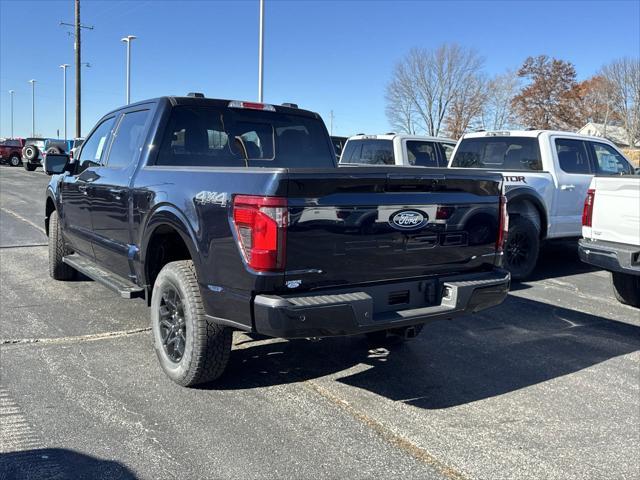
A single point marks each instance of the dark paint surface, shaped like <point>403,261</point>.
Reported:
<point>340,230</point>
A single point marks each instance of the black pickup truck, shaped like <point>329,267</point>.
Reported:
<point>228,215</point>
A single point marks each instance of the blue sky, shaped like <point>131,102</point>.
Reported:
<point>323,55</point>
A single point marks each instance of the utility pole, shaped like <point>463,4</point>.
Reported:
<point>261,52</point>
<point>128,39</point>
<point>11,92</point>
<point>33,107</point>
<point>77,47</point>
<point>331,122</point>
<point>64,96</point>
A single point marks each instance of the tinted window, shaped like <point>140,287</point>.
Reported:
<point>573,156</point>
<point>11,143</point>
<point>370,152</point>
<point>609,161</point>
<point>94,147</point>
<point>422,154</point>
<point>351,149</point>
<point>447,148</point>
<point>127,141</point>
<point>498,153</point>
<point>211,136</point>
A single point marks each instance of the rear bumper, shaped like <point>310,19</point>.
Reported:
<point>615,257</point>
<point>351,311</point>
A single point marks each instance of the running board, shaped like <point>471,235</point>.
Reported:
<point>114,282</point>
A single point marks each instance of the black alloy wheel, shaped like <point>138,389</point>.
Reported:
<point>172,323</point>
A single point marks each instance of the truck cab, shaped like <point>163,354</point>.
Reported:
<point>397,149</point>
<point>547,175</point>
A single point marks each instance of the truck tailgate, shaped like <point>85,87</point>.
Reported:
<point>361,225</point>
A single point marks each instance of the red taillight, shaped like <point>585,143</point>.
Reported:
<point>444,213</point>
<point>587,211</point>
<point>504,224</point>
<point>261,225</point>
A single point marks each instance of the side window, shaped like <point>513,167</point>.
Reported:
<point>609,161</point>
<point>573,156</point>
<point>128,139</point>
<point>447,149</point>
<point>373,152</point>
<point>422,154</point>
<point>94,147</point>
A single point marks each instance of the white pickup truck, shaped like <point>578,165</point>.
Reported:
<point>547,175</point>
<point>611,233</point>
<point>397,149</point>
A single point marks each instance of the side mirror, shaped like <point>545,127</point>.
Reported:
<point>56,163</point>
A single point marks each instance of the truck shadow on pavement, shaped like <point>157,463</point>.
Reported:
<point>59,464</point>
<point>557,259</point>
<point>519,344</point>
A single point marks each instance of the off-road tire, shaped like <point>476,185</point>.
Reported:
<point>14,160</point>
<point>58,270</point>
<point>207,344</point>
<point>626,288</point>
<point>29,167</point>
<point>30,152</point>
<point>521,248</point>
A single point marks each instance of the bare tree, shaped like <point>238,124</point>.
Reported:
<point>498,112</point>
<point>428,81</point>
<point>400,110</point>
<point>623,78</point>
<point>466,106</point>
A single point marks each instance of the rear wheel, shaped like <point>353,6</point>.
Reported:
<point>626,288</point>
<point>521,248</point>
<point>14,160</point>
<point>191,348</point>
<point>54,150</point>
<point>58,270</point>
<point>29,167</point>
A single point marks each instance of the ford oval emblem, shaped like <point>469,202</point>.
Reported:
<point>408,219</point>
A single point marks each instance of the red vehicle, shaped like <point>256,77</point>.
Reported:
<point>11,151</point>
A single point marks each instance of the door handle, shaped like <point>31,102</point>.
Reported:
<point>567,187</point>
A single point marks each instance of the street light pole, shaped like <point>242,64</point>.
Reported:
<point>33,107</point>
<point>64,67</point>
<point>128,40</point>
<point>11,92</point>
<point>261,52</point>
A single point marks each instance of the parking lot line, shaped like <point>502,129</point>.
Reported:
<point>26,220</point>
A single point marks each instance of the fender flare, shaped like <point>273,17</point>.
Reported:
<point>47,212</point>
<point>168,215</point>
<point>529,194</point>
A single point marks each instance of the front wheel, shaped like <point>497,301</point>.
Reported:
<point>191,348</point>
<point>58,270</point>
<point>626,288</point>
<point>521,248</point>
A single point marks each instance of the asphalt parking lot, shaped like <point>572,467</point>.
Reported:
<point>545,386</point>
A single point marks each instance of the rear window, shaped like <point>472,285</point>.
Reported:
<point>11,143</point>
<point>498,153</point>
<point>368,152</point>
<point>214,136</point>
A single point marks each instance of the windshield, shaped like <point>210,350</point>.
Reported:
<point>214,136</point>
<point>498,153</point>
